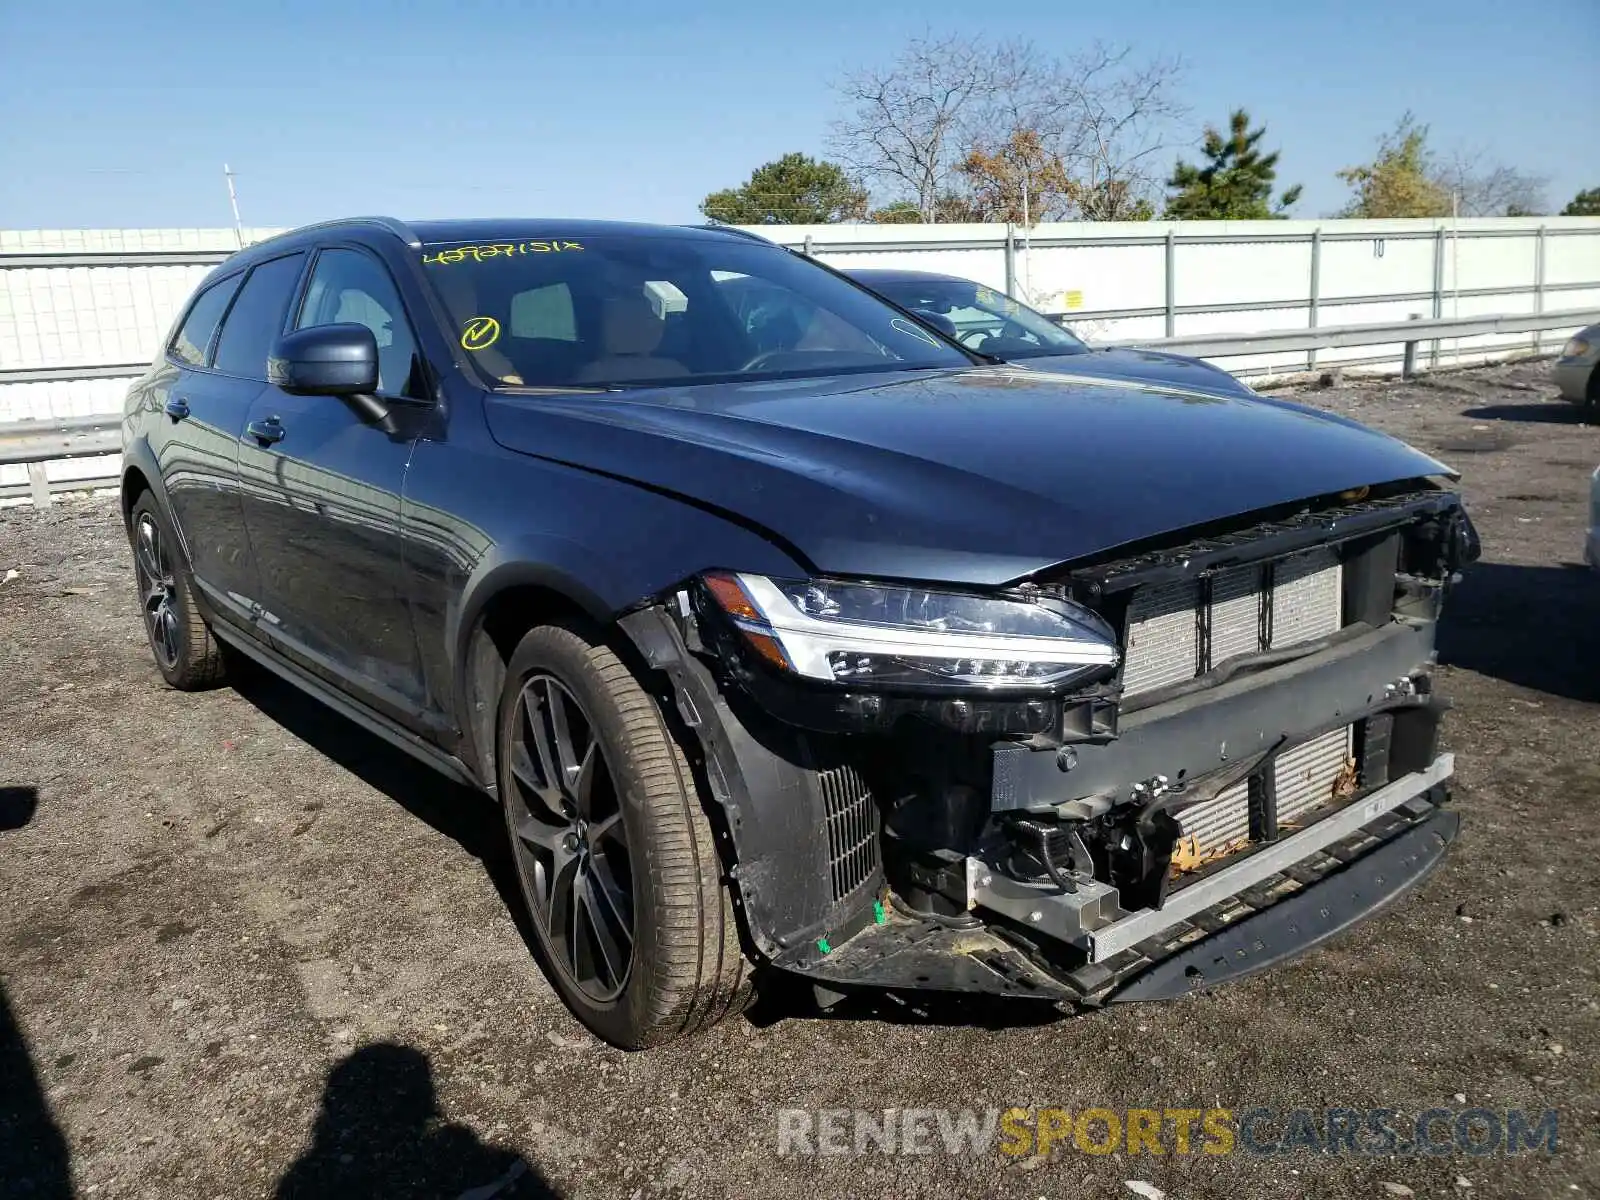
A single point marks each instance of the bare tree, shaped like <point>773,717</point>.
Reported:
<point>904,127</point>
<point>1104,116</point>
<point>1489,189</point>
<point>1112,119</point>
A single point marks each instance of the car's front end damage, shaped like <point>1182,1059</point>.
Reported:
<point>1136,774</point>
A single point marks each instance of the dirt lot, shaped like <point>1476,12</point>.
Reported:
<point>245,948</point>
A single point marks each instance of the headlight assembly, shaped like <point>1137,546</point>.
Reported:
<point>908,638</point>
<point>1576,348</point>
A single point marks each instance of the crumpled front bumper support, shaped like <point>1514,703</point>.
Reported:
<point>1275,918</point>
<point>1302,920</point>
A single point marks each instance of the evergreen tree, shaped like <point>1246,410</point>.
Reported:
<point>1234,183</point>
<point>792,190</point>
<point>1585,204</point>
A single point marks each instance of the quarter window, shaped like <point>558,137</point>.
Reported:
<point>256,318</point>
<point>194,338</point>
<point>348,286</point>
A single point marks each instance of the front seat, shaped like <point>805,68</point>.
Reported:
<point>630,332</point>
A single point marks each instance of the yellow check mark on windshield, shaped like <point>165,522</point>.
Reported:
<point>480,333</point>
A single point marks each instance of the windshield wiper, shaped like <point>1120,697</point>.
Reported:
<point>560,389</point>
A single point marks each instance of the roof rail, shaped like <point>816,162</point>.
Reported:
<point>399,228</point>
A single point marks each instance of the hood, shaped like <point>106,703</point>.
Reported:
<point>1143,366</point>
<point>976,476</point>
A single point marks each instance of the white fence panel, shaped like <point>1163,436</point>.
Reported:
<point>78,299</point>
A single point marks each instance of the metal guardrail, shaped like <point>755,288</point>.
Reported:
<point>1327,337</point>
<point>52,374</point>
<point>35,443</point>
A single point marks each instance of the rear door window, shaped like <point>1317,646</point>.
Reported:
<point>256,319</point>
<point>191,342</point>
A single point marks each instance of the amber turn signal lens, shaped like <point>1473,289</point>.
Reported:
<point>767,647</point>
<point>731,598</point>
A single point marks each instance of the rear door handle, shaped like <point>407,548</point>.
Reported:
<point>177,408</point>
<point>266,431</point>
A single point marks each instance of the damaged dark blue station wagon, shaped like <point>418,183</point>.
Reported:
<point>791,634</point>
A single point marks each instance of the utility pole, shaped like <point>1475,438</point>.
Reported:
<point>1027,264</point>
<point>233,202</point>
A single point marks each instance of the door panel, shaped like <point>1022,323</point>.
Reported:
<point>322,502</point>
<point>196,443</point>
<point>197,453</point>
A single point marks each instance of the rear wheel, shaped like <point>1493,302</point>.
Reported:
<point>615,855</point>
<point>186,654</point>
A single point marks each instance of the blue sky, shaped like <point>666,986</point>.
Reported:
<point>118,114</point>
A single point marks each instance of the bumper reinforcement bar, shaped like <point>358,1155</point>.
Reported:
<point>1269,860</point>
<point>1303,919</point>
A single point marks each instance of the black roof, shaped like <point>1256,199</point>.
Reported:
<point>479,229</point>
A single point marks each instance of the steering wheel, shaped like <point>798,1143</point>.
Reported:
<point>764,358</point>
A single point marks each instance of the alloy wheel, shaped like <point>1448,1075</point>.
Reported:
<point>158,590</point>
<point>570,840</point>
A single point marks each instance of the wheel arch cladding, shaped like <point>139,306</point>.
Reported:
<point>767,781</point>
<point>533,577</point>
<point>140,474</point>
<point>501,619</point>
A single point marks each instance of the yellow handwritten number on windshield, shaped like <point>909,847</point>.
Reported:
<point>480,333</point>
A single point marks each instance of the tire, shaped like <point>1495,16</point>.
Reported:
<point>617,819</point>
<point>187,655</point>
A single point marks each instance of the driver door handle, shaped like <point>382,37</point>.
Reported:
<point>266,431</point>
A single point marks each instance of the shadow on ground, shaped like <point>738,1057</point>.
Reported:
<point>33,1153</point>
<point>1538,627</point>
<point>379,1133</point>
<point>458,812</point>
<point>17,806</point>
<point>1548,412</point>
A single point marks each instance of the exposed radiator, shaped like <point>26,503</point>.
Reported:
<point>1307,777</point>
<point>1179,630</point>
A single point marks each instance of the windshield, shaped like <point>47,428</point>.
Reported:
<point>620,310</point>
<point>980,318</point>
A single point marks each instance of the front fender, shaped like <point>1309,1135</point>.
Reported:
<point>601,545</point>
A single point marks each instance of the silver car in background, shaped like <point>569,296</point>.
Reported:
<point>1575,371</point>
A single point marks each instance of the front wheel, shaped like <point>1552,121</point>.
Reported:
<point>615,855</point>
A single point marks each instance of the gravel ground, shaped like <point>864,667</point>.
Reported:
<point>246,949</point>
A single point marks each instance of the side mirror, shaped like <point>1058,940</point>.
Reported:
<point>326,360</point>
